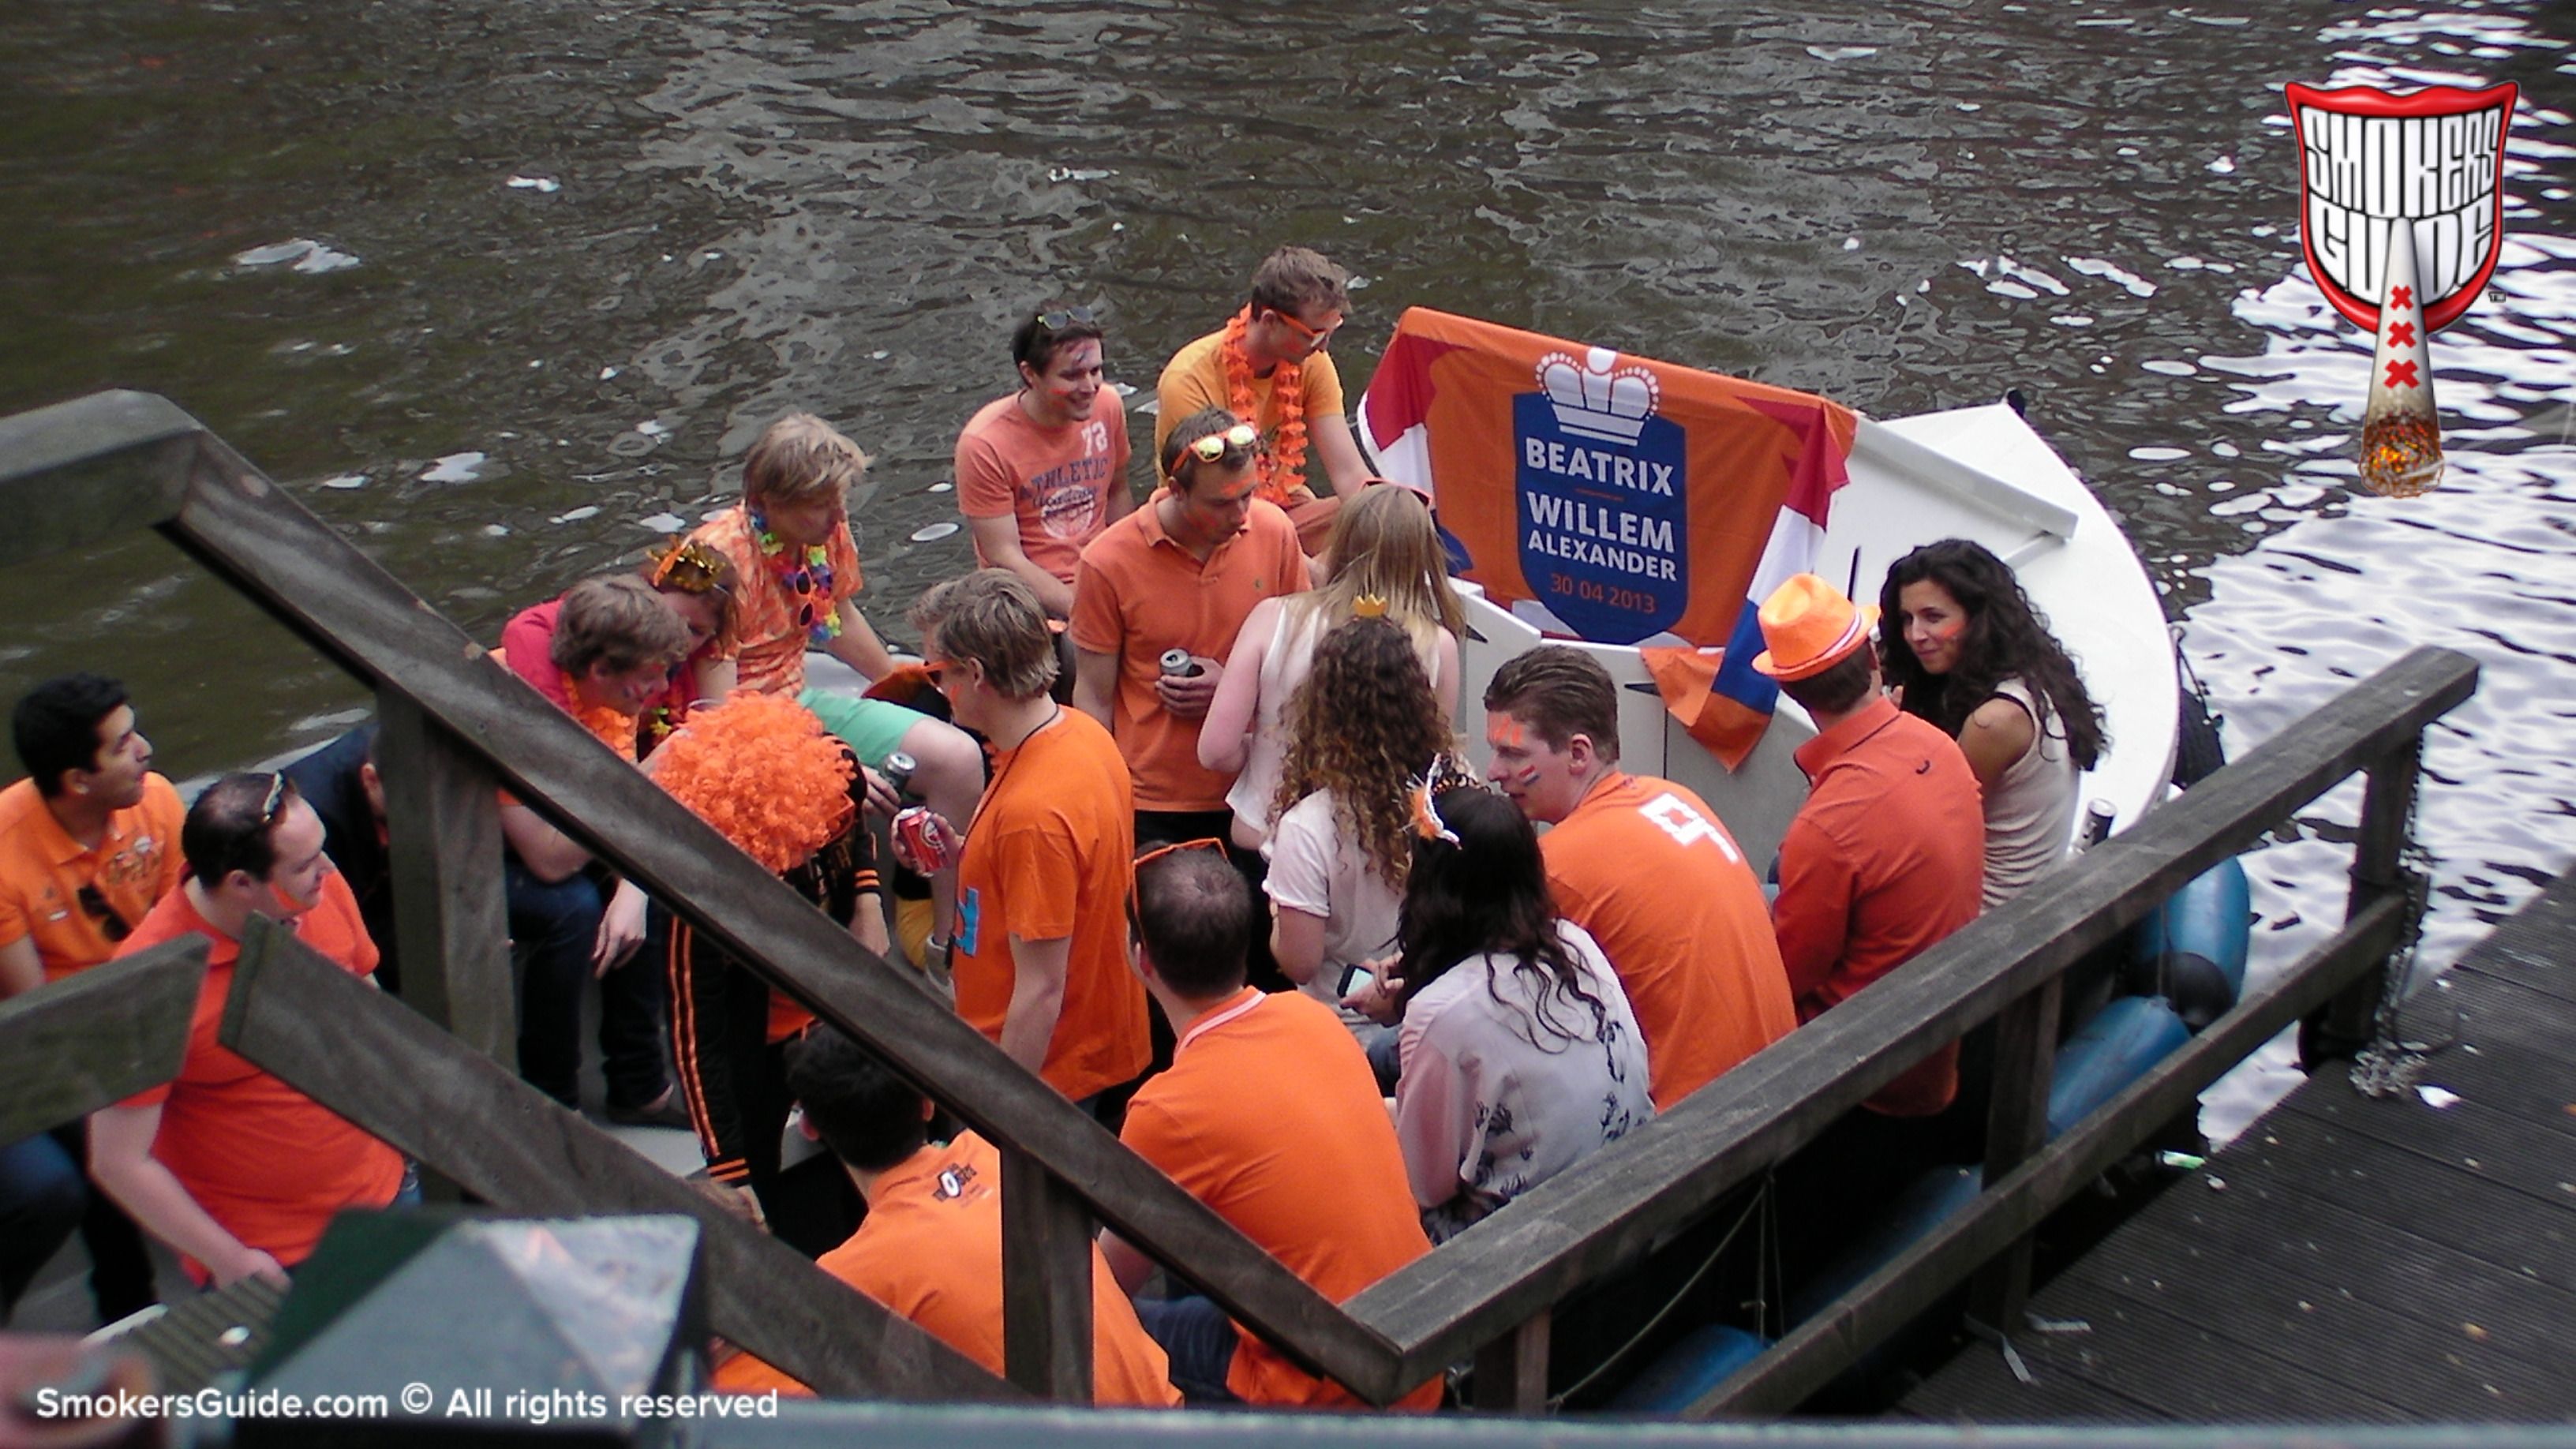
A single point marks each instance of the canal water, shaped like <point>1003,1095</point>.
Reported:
<point>503,287</point>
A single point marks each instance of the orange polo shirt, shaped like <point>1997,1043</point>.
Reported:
<point>1048,856</point>
<point>1139,593</point>
<point>263,1159</point>
<point>930,1249</point>
<point>1269,1114</point>
<point>135,863</point>
<point>1886,858</point>
<point>1646,867</point>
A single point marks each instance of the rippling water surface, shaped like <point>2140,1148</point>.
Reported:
<point>503,290</point>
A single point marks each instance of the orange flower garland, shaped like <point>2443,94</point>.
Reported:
<point>1283,467</point>
<point>761,770</point>
<point>612,727</point>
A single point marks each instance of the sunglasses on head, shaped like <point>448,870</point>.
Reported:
<point>111,924</point>
<point>1059,318</point>
<point>1204,842</point>
<point>1216,445</point>
<point>276,798</point>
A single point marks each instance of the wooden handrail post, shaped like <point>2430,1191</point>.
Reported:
<point>1511,1371</point>
<point>2346,1023</point>
<point>451,913</point>
<point>2016,1127</point>
<point>1046,1282</point>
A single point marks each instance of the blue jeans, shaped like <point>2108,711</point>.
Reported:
<point>1200,1341</point>
<point>41,1198</point>
<point>553,927</point>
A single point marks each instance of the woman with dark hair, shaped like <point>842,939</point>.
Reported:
<point>1520,1054</point>
<point>1362,727</point>
<point>1961,646</point>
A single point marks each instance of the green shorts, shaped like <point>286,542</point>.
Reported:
<point>872,728</point>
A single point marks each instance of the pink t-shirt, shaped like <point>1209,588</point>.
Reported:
<point>1055,481</point>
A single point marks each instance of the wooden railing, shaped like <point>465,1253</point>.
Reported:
<point>455,725</point>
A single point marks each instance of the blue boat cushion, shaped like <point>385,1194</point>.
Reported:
<point>1704,1358</point>
<point>2112,1050</point>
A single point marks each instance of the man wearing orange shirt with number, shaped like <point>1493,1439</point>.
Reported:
<point>1645,866</point>
<point>237,1170</point>
<point>1041,471</point>
<point>1039,949</point>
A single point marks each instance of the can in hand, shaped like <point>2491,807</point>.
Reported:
<point>1178,662</point>
<point>898,773</point>
<point>922,841</point>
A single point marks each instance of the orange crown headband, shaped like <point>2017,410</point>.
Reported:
<point>689,553</point>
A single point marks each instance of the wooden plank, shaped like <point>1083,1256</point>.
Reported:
<point>96,1037</point>
<point>2016,1127</point>
<point>1977,1388</point>
<point>394,1073</point>
<point>1511,1372</point>
<point>1576,1226</point>
<point>277,553</point>
<point>2426,1268</point>
<point>2145,1352</point>
<point>88,470</point>
<point>451,912</point>
<point>1046,1283</point>
<point>2441,1370</point>
<point>1823,1346</point>
<point>2467,1138</point>
<point>2348,1022</point>
<point>2538,1229</point>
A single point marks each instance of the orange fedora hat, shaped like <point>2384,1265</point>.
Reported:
<point>1810,627</point>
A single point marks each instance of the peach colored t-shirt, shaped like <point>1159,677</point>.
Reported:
<point>1058,482</point>
<point>770,622</point>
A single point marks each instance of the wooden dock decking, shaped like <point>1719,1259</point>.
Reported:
<point>2348,1259</point>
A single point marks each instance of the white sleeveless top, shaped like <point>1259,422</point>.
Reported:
<point>1284,666</point>
<point>2030,812</point>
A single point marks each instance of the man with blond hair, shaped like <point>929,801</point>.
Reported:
<point>796,572</point>
<point>1270,366</point>
<point>1040,951</point>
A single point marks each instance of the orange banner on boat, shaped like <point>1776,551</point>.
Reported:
<point>1630,498</point>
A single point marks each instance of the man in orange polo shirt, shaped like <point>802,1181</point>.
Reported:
<point>237,1170</point>
<point>1645,866</point>
<point>930,1247</point>
<point>1271,1116</point>
<point>1039,950</point>
<point>88,841</point>
<point>1885,859</point>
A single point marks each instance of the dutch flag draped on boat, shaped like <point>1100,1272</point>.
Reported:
<point>1615,498</point>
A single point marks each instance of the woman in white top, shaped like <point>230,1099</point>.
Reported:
<point>1521,1056</point>
<point>1385,551</point>
<point>1961,645</point>
<point>1364,728</point>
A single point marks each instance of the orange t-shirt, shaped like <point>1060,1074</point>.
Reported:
<point>1048,856</point>
<point>1649,870</point>
<point>1269,1115</point>
<point>1195,379</point>
<point>42,870</point>
<point>263,1159</point>
<point>1058,482</point>
<point>930,1249</point>
<point>1138,594</point>
<point>769,629</point>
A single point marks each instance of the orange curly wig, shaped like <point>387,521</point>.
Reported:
<point>761,770</point>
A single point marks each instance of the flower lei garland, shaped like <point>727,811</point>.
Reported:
<point>804,573</point>
<point>612,727</point>
<point>1283,467</point>
<point>760,769</point>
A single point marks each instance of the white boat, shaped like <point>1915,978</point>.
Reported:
<point>1978,473</point>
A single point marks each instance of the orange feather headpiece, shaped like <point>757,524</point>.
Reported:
<point>761,770</point>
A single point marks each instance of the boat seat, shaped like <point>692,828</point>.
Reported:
<point>1701,1360</point>
<point>2109,1052</point>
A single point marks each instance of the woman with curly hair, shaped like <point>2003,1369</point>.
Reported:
<point>1363,726</point>
<point>1520,1054</point>
<point>1961,646</point>
<point>1386,563</point>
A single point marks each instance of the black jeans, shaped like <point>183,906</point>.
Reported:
<point>553,926</point>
